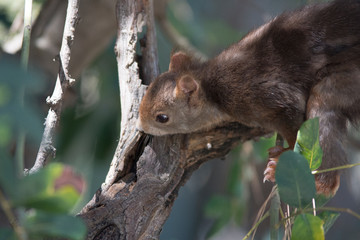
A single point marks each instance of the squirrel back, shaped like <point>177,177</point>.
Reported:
<point>263,80</point>
<point>303,64</point>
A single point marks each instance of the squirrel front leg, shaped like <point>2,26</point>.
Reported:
<point>275,152</point>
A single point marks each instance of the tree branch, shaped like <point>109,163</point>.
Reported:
<point>137,205</point>
<point>142,185</point>
<point>63,80</point>
<point>131,19</point>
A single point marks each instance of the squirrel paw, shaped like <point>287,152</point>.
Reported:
<point>327,183</point>
<point>269,173</point>
<point>274,154</point>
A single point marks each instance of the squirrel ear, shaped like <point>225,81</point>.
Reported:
<point>179,61</point>
<point>186,85</point>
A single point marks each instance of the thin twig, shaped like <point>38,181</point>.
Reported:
<point>314,206</point>
<point>346,210</point>
<point>63,80</point>
<point>274,191</point>
<point>27,33</point>
<point>172,34</point>
<point>274,215</point>
<point>287,222</point>
<point>336,168</point>
<point>310,210</point>
<point>20,141</point>
<point>267,214</point>
<point>261,211</point>
<point>5,205</point>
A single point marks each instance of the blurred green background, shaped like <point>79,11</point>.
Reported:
<point>223,195</point>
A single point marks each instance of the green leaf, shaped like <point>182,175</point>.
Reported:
<point>262,146</point>
<point>5,131</point>
<point>329,219</point>
<point>239,211</point>
<point>43,224</point>
<point>307,143</point>
<point>19,114</point>
<point>295,182</point>
<point>8,179</point>
<point>7,234</point>
<point>234,183</point>
<point>309,227</point>
<point>274,216</point>
<point>53,189</point>
<point>321,200</point>
<point>218,206</point>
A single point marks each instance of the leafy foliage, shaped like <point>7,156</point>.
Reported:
<point>295,187</point>
<point>45,198</point>
<point>308,144</point>
<point>307,226</point>
<point>230,206</point>
<point>296,184</point>
<point>294,179</point>
<point>329,219</point>
<point>42,200</point>
<point>13,114</point>
<point>42,224</point>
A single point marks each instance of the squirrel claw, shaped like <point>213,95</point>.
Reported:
<point>270,170</point>
<point>274,154</point>
<point>266,178</point>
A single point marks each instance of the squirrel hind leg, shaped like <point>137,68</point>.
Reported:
<point>332,133</point>
<point>327,183</point>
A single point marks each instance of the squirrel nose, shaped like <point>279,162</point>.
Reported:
<point>139,126</point>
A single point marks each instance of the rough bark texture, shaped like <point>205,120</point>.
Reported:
<point>137,205</point>
<point>142,184</point>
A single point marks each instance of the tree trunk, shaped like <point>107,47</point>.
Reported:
<point>146,172</point>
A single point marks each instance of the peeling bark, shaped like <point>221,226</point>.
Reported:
<point>140,202</point>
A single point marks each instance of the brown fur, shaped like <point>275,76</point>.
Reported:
<point>303,64</point>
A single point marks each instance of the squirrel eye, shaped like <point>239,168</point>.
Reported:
<point>162,118</point>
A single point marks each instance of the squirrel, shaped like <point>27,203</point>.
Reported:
<point>301,65</point>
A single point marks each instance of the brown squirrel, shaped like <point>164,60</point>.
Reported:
<point>302,64</point>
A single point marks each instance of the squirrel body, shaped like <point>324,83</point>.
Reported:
<point>302,64</point>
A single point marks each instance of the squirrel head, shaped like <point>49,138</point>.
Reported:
<point>172,101</point>
<point>175,102</point>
